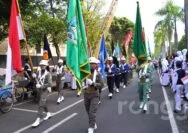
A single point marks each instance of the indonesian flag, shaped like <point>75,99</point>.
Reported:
<point>127,40</point>
<point>14,64</point>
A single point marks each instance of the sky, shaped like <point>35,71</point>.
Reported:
<point>127,8</point>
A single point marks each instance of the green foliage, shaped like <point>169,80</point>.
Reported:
<point>119,28</point>
<point>182,43</point>
<point>39,17</point>
<point>164,28</point>
<point>93,21</point>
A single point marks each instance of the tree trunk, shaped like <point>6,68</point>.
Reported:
<point>57,50</point>
<point>186,21</point>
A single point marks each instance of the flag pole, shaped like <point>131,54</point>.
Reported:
<point>26,44</point>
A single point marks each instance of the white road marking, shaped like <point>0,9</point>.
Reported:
<point>56,113</point>
<point>70,106</point>
<point>170,113</point>
<point>26,110</point>
<point>31,100</point>
<point>21,103</point>
<point>59,123</point>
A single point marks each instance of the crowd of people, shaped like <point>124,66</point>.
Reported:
<point>117,73</point>
<point>174,73</point>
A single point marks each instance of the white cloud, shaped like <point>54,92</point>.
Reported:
<point>127,8</point>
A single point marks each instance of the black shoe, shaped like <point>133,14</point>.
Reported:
<point>144,111</point>
<point>176,111</point>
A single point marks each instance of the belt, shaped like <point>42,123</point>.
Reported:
<point>90,90</point>
<point>112,75</point>
<point>143,80</point>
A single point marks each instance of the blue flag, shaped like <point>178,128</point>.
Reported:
<point>102,57</point>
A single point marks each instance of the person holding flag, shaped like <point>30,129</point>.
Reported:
<point>139,49</point>
<point>91,94</point>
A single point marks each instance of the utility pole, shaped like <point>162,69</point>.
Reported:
<point>106,24</point>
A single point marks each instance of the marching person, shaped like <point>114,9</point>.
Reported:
<point>110,70</point>
<point>185,67</point>
<point>165,72</point>
<point>44,80</point>
<point>178,86</point>
<point>124,68</point>
<point>100,88</point>
<point>60,80</point>
<point>117,78</point>
<point>27,70</point>
<point>91,94</point>
<point>150,71</point>
<point>142,86</point>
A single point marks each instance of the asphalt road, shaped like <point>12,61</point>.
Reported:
<point>119,115</point>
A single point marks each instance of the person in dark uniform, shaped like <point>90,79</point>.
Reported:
<point>178,89</point>
<point>110,70</point>
<point>117,77</point>
<point>27,70</point>
<point>124,68</point>
<point>91,93</point>
<point>44,80</point>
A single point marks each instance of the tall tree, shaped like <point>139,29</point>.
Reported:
<point>119,28</point>
<point>170,13</point>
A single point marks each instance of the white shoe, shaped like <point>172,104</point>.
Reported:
<point>148,97</point>
<point>62,98</point>
<point>141,105</point>
<point>79,93</point>
<point>95,126</point>
<point>110,94</point>
<point>58,100</point>
<point>48,115</point>
<point>36,123</point>
<point>124,86</point>
<point>149,90</point>
<point>145,107</point>
<point>99,102</point>
<point>117,90</point>
<point>90,130</point>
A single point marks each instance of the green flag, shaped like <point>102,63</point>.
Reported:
<point>139,47</point>
<point>77,53</point>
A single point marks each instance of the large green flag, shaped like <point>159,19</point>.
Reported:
<point>77,52</point>
<point>139,47</point>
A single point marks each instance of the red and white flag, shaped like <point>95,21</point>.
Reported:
<point>14,64</point>
<point>127,40</point>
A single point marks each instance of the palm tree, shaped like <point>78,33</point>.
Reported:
<point>170,13</point>
<point>160,36</point>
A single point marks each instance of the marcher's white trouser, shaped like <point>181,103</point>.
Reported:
<point>178,99</point>
<point>186,90</point>
<point>165,79</point>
